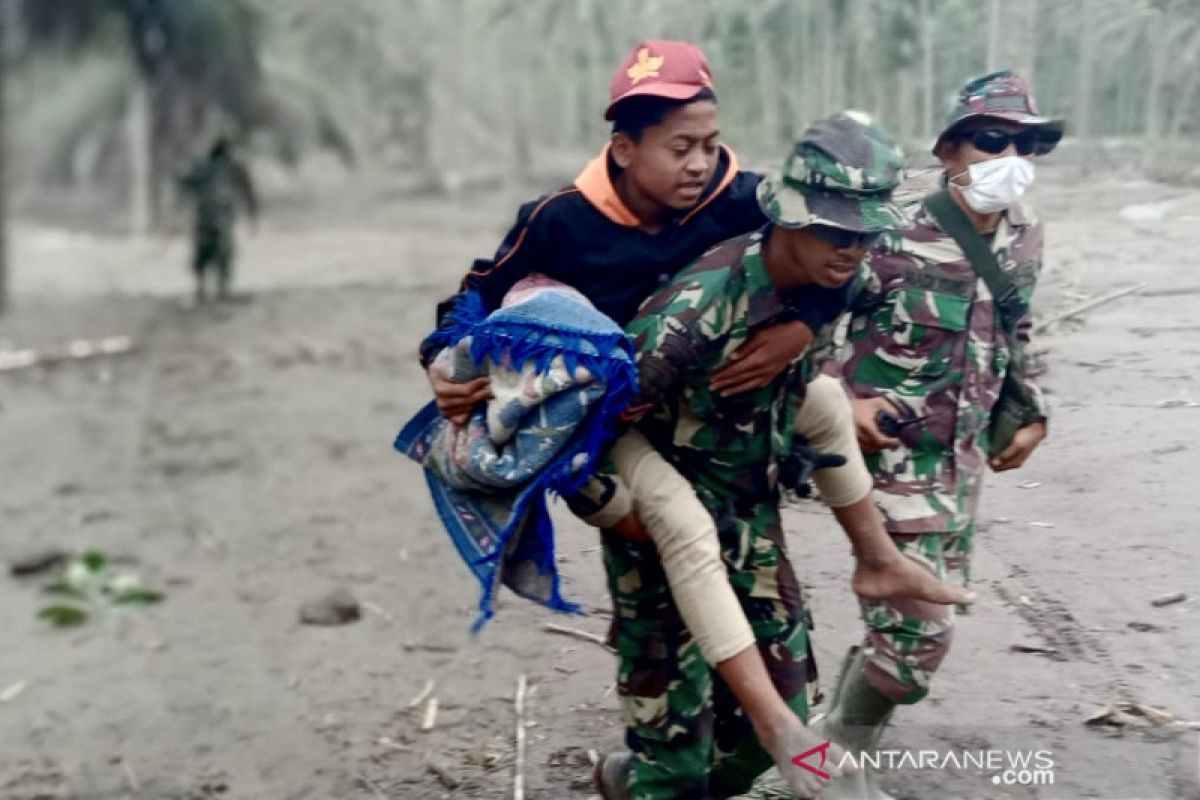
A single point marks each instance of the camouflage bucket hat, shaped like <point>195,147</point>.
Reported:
<point>1002,95</point>
<point>841,173</point>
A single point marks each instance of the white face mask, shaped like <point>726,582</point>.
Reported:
<point>997,183</point>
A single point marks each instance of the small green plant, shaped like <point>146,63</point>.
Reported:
<point>89,581</point>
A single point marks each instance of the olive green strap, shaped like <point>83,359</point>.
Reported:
<point>1005,294</point>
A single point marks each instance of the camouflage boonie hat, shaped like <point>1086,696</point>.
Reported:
<point>841,173</point>
<point>1002,95</point>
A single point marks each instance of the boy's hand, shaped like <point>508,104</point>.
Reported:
<point>800,745</point>
<point>761,358</point>
<point>1024,442</point>
<point>456,400</point>
<point>866,426</point>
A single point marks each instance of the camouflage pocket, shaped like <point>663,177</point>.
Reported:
<point>919,310</point>
<point>922,330</point>
<point>663,682</point>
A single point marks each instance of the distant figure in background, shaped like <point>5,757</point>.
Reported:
<point>217,183</point>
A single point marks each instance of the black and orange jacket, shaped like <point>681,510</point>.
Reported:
<point>586,237</point>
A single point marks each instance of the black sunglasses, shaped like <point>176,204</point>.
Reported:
<point>842,239</point>
<point>1030,142</point>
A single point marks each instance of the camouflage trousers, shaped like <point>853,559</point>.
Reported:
<point>689,737</point>
<point>907,640</point>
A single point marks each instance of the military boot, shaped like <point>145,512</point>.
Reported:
<point>857,715</point>
<point>611,776</point>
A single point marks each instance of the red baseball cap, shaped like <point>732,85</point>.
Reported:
<point>675,70</point>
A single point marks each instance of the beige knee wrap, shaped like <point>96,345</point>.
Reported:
<point>686,538</point>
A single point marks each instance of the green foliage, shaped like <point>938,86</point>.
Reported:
<point>139,597</point>
<point>94,560</point>
<point>92,582</point>
<point>63,616</point>
<point>201,61</point>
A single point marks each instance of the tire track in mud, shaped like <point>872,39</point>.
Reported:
<point>1053,622</point>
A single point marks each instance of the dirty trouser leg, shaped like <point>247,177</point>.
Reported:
<point>762,576</point>
<point>685,535</point>
<point>907,640</point>
<point>663,683</point>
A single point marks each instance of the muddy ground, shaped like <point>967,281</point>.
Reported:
<point>240,460</point>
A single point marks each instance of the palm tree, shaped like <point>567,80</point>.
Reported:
<point>195,65</point>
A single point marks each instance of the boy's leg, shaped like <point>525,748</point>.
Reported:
<point>664,684</point>
<point>685,535</point>
<point>907,640</point>
<point>766,586</point>
<point>826,420</point>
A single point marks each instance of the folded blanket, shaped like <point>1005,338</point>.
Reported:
<point>561,373</point>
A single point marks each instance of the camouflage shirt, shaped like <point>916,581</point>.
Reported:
<point>924,334</point>
<point>728,447</point>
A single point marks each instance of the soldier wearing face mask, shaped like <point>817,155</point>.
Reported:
<point>935,353</point>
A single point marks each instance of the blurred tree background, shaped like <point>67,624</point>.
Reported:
<point>114,97</point>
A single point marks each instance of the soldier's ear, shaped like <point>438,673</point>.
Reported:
<point>947,151</point>
<point>623,149</point>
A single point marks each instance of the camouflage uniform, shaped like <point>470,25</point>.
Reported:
<point>924,333</point>
<point>681,718</point>
<point>217,184</point>
<point>689,736</point>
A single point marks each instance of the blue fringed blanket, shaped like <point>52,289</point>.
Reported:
<point>561,372</point>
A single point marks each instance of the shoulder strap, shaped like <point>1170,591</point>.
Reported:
<point>953,221</point>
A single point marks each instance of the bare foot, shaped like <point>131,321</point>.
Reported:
<point>794,745</point>
<point>904,577</point>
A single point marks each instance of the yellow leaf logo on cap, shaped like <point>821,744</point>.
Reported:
<point>647,66</point>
